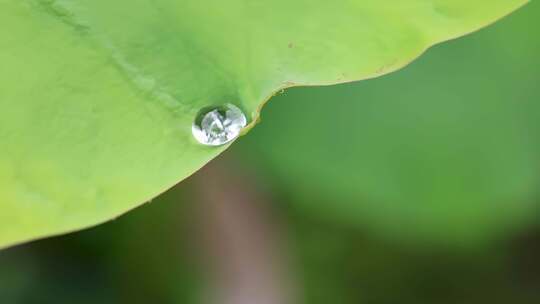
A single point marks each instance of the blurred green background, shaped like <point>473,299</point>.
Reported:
<point>422,186</point>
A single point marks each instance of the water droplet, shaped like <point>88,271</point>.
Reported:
<point>219,125</point>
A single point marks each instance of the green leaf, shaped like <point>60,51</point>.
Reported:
<point>98,96</point>
<point>446,149</point>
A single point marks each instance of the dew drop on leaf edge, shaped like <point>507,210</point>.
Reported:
<point>219,125</point>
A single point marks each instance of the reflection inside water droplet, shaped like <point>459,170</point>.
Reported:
<point>219,125</point>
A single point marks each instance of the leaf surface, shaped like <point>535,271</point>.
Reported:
<point>98,96</point>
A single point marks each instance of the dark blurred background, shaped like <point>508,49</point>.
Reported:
<point>422,186</point>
